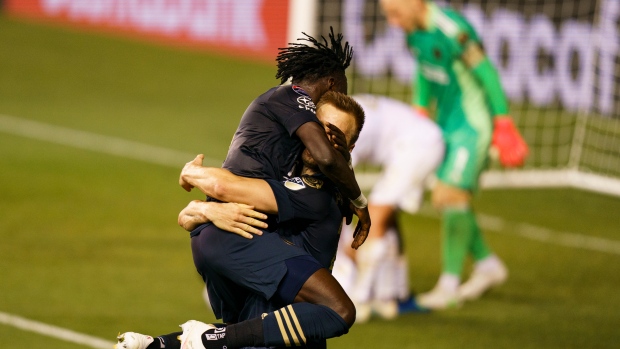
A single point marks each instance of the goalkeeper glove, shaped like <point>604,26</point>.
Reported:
<point>508,142</point>
<point>421,111</point>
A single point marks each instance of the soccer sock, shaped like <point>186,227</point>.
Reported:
<point>386,282</point>
<point>345,271</point>
<point>299,323</point>
<point>168,341</point>
<point>369,258</point>
<point>458,228</point>
<point>479,248</point>
<point>294,325</point>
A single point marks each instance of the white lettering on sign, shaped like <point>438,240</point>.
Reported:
<point>237,22</point>
<point>521,73</point>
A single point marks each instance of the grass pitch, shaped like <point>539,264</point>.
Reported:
<point>90,241</point>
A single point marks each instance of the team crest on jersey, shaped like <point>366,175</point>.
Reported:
<point>312,182</point>
<point>437,53</point>
<point>294,183</point>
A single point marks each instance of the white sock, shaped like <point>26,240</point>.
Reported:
<point>386,283</point>
<point>368,259</point>
<point>489,263</point>
<point>344,271</point>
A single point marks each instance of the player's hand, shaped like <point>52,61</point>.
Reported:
<point>236,218</point>
<point>508,142</point>
<point>338,140</point>
<point>420,111</point>
<point>362,228</point>
<point>192,165</point>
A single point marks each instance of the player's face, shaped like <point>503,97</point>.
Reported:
<point>344,121</point>
<point>401,13</point>
<point>327,113</point>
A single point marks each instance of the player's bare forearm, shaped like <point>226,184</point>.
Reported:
<point>236,218</point>
<point>225,186</point>
<point>330,161</point>
<point>193,215</point>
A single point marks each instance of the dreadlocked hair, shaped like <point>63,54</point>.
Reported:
<point>301,61</point>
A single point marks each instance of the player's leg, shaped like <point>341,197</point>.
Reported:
<point>386,288</point>
<point>488,271</point>
<point>323,311</point>
<point>457,176</point>
<point>369,258</point>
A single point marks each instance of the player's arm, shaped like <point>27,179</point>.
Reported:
<point>225,186</point>
<point>477,61</point>
<point>236,218</point>
<point>421,97</point>
<point>336,168</point>
<point>506,138</point>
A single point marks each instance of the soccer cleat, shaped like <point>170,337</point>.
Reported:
<point>438,299</point>
<point>387,309</point>
<point>481,281</point>
<point>192,335</point>
<point>409,305</point>
<point>363,311</point>
<point>132,340</point>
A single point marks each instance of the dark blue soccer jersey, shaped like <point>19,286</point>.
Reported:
<point>265,145</point>
<point>310,205</point>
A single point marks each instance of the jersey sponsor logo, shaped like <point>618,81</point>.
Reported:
<point>294,183</point>
<point>312,182</point>
<point>306,103</point>
<point>435,74</point>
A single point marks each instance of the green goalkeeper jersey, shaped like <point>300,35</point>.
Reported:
<point>443,76</point>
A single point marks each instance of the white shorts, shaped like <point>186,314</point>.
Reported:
<point>410,163</point>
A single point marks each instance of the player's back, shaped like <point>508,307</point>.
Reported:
<point>388,121</point>
<point>265,144</point>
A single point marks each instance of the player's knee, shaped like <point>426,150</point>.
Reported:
<point>444,196</point>
<point>346,310</point>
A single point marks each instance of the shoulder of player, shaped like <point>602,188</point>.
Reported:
<point>451,23</point>
<point>293,97</point>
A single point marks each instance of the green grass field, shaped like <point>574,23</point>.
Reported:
<point>89,241</point>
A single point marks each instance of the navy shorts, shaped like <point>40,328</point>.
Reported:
<point>233,267</point>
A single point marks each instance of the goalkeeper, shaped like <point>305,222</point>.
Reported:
<point>472,112</point>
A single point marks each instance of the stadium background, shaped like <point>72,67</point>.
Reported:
<point>98,114</point>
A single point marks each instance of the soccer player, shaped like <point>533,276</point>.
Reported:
<point>472,111</point>
<point>311,200</point>
<point>408,147</point>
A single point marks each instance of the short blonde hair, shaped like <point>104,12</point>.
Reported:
<point>348,105</point>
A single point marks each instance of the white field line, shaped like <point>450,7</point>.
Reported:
<point>54,331</point>
<point>167,157</point>
<point>98,143</point>
<point>537,233</point>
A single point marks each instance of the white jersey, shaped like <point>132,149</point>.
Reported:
<point>408,147</point>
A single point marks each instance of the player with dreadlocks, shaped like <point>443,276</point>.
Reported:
<point>239,271</point>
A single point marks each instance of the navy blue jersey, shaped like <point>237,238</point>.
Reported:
<point>265,145</point>
<point>310,215</point>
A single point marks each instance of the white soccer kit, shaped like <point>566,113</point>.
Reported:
<point>407,146</point>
